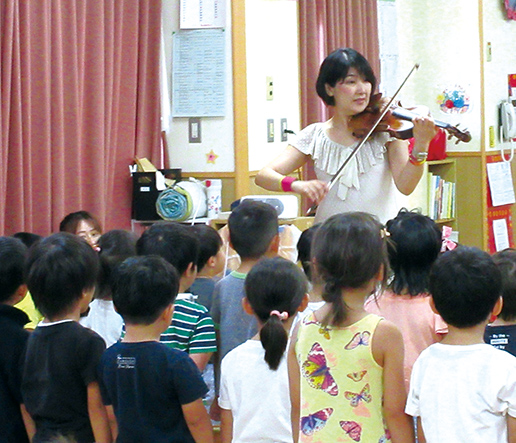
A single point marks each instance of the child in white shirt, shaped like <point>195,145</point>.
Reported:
<point>461,389</point>
<point>254,391</point>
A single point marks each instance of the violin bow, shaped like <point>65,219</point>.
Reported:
<point>311,210</point>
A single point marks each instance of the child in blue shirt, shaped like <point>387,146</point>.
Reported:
<point>155,392</point>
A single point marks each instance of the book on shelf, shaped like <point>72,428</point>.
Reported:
<point>441,198</point>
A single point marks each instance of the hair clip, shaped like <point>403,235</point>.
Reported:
<point>384,233</point>
<point>447,245</point>
<point>282,315</point>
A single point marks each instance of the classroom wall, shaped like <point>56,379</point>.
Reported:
<point>216,132</point>
<point>501,33</point>
<point>443,37</point>
<point>450,40</point>
<point>272,51</point>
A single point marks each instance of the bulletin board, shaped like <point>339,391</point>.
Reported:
<point>499,219</point>
<point>199,73</point>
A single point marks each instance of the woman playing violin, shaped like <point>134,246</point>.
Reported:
<point>369,181</point>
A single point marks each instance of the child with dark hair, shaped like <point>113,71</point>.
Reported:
<point>14,338</point>
<point>27,238</point>
<point>210,263</point>
<point>253,234</point>
<point>27,304</point>
<point>59,385</point>
<point>501,333</point>
<point>414,245</point>
<point>155,392</point>
<point>462,389</point>
<point>304,247</point>
<point>254,377</point>
<point>192,329</point>
<point>346,365</point>
<point>115,246</point>
<point>83,224</point>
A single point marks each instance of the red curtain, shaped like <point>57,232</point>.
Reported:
<point>326,25</point>
<point>79,99</point>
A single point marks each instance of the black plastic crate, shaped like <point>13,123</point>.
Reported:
<point>145,193</point>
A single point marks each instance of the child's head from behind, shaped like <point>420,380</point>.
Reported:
<point>210,250</point>
<point>12,258</point>
<point>304,246</point>
<point>415,243</point>
<point>28,238</point>
<point>60,271</point>
<point>506,262</point>
<point>465,285</point>
<point>143,287</point>
<point>275,288</point>
<point>350,252</point>
<point>115,246</point>
<point>118,242</point>
<point>174,242</point>
<point>253,225</point>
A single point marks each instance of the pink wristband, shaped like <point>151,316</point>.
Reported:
<point>286,183</point>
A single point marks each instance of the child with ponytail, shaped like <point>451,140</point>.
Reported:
<point>254,391</point>
<point>345,365</point>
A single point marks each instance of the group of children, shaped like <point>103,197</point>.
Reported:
<point>326,358</point>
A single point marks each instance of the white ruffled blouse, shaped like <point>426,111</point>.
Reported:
<point>365,184</point>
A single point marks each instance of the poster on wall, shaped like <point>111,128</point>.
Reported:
<point>196,14</point>
<point>499,218</point>
<point>199,73</point>
<point>500,183</point>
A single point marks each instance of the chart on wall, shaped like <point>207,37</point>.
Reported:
<point>198,73</point>
<point>202,14</point>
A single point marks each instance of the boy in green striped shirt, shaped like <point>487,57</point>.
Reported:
<point>192,328</point>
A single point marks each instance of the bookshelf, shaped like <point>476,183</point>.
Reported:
<point>441,177</point>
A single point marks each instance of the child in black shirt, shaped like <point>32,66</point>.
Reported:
<point>59,383</point>
<point>14,338</point>
<point>501,333</point>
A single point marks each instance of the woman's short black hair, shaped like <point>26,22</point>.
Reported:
<point>335,67</point>
<point>72,220</point>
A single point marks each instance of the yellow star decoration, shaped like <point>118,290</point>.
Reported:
<point>211,157</point>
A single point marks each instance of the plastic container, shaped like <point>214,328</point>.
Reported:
<point>213,197</point>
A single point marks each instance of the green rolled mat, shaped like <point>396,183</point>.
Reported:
<point>174,204</point>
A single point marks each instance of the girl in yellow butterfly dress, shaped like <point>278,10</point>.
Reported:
<point>345,365</point>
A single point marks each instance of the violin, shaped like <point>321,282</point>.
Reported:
<point>397,121</point>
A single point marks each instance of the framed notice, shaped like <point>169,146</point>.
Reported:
<point>199,73</point>
<point>196,14</point>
